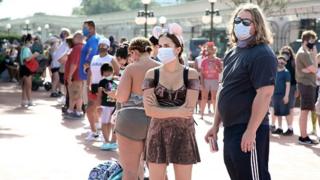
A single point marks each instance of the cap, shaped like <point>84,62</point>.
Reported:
<point>104,41</point>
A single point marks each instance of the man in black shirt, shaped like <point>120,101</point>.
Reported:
<point>243,100</point>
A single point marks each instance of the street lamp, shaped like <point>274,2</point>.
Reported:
<point>46,27</point>
<point>145,17</point>
<point>162,21</point>
<point>8,28</point>
<point>39,29</point>
<point>27,22</point>
<point>212,19</point>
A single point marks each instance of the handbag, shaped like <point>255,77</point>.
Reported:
<point>32,65</point>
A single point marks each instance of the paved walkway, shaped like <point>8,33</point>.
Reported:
<point>38,144</point>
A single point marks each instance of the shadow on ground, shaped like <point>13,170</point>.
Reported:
<point>72,123</point>
<point>5,134</point>
<point>94,148</point>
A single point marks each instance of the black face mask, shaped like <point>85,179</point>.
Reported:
<point>310,45</point>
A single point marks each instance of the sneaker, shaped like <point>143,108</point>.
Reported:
<point>54,94</point>
<point>307,141</point>
<point>277,131</point>
<point>92,136</point>
<point>272,128</point>
<point>24,104</point>
<point>109,146</point>
<point>31,103</point>
<point>289,132</point>
<point>62,100</point>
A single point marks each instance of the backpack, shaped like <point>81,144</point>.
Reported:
<point>109,170</point>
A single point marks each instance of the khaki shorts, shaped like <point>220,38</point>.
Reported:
<point>211,84</point>
<point>75,90</point>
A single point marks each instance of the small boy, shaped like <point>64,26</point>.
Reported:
<point>280,97</point>
<point>106,98</point>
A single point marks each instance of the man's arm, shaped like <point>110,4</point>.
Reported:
<point>259,110</point>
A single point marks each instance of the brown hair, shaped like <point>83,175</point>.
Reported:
<point>262,30</point>
<point>140,44</point>
<point>307,35</point>
<point>90,23</point>
<point>176,42</point>
<point>291,52</point>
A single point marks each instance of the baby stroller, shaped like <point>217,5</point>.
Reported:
<point>38,78</point>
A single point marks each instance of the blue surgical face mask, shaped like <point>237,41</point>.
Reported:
<point>241,31</point>
<point>85,31</point>
<point>166,55</point>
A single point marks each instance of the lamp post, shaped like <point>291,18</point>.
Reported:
<point>212,18</point>
<point>8,28</point>
<point>46,27</point>
<point>145,17</point>
<point>162,21</point>
<point>27,22</point>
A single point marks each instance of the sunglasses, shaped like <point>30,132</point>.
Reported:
<point>245,22</point>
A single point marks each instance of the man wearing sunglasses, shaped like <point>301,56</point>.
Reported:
<point>243,100</point>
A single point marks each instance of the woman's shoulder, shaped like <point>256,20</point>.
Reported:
<point>193,73</point>
<point>150,72</point>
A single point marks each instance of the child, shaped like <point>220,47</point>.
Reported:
<point>106,94</point>
<point>280,97</point>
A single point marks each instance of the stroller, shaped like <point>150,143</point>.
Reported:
<point>38,79</point>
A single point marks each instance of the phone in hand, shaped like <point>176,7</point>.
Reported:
<point>213,145</point>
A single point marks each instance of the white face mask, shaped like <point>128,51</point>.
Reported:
<point>109,78</point>
<point>241,31</point>
<point>166,55</point>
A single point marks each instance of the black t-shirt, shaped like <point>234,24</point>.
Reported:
<point>245,70</point>
<point>107,85</point>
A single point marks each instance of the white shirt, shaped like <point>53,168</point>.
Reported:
<point>95,66</point>
<point>199,61</point>
<point>57,54</point>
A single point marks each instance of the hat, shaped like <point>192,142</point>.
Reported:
<point>66,30</point>
<point>104,41</point>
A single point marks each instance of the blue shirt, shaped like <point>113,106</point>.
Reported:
<point>282,78</point>
<point>88,51</point>
<point>245,71</point>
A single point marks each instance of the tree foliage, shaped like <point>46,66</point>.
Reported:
<point>90,7</point>
<point>268,6</point>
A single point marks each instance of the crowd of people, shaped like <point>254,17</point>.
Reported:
<point>139,96</point>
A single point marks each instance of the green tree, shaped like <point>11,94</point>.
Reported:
<point>90,7</point>
<point>268,6</point>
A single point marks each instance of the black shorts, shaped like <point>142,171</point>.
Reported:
<point>54,70</point>
<point>280,109</point>
<point>61,77</point>
<point>24,71</point>
<point>307,96</point>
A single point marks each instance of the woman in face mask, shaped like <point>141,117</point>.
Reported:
<point>288,53</point>
<point>25,73</point>
<point>170,96</point>
<point>132,123</point>
<point>122,56</point>
<point>94,77</point>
